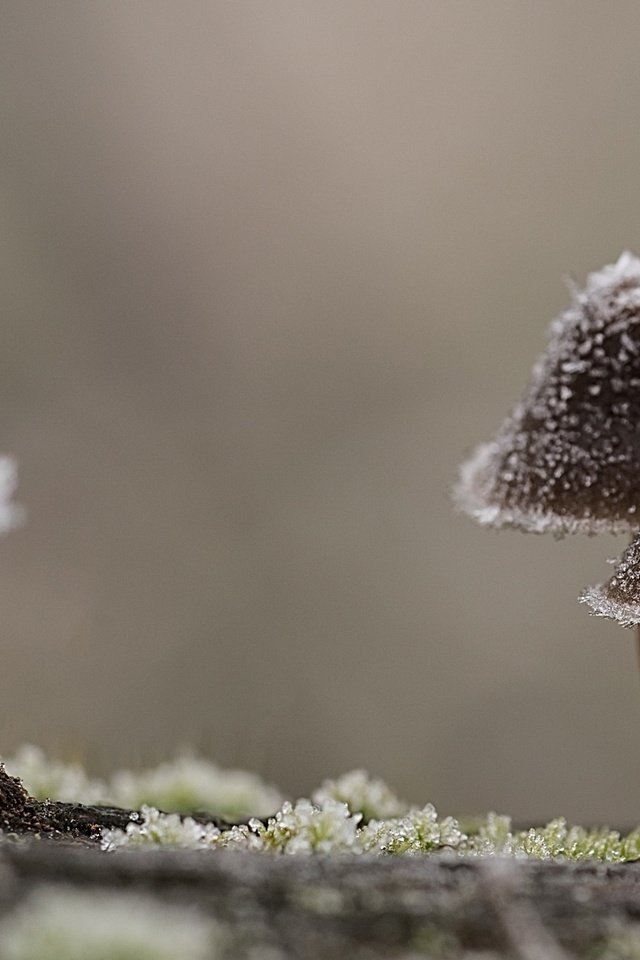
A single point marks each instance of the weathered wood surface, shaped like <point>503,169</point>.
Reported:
<point>315,908</point>
<point>352,907</point>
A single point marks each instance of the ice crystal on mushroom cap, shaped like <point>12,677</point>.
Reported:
<point>567,459</point>
<point>619,597</point>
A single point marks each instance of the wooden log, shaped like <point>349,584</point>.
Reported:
<point>314,907</point>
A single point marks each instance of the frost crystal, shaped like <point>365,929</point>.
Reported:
<point>305,828</point>
<point>619,597</point>
<point>162,829</point>
<point>567,459</point>
<point>419,831</point>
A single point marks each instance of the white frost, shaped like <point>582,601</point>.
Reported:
<point>626,614</point>
<point>626,267</point>
<point>619,597</point>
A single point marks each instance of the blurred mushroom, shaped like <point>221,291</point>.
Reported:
<point>567,459</point>
<point>619,597</point>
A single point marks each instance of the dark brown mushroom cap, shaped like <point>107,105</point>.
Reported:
<point>567,459</point>
<point>619,597</point>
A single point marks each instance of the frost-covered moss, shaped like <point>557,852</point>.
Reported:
<point>304,827</point>
<point>495,837</point>
<point>354,813</point>
<point>363,794</point>
<point>331,828</point>
<point>160,829</point>
<point>184,785</point>
<point>419,831</point>
<point>296,828</point>
<point>189,784</point>
<point>48,779</point>
<point>56,924</point>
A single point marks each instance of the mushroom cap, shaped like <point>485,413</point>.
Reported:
<point>619,597</point>
<point>567,459</point>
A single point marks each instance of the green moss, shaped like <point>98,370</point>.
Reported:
<point>66,924</point>
<point>354,814</point>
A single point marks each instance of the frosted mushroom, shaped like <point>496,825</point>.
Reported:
<point>567,459</point>
<point>619,597</point>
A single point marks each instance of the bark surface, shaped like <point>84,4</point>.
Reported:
<point>312,908</point>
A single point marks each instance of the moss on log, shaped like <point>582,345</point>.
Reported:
<point>23,815</point>
<point>362,907</point>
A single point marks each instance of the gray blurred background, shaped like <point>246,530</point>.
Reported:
<point>270,268</point>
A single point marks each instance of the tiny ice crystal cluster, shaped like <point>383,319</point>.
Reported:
<point>335,828</point>
<point>567,459</point>
<point>619,597</point>
<point>330,827</point>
